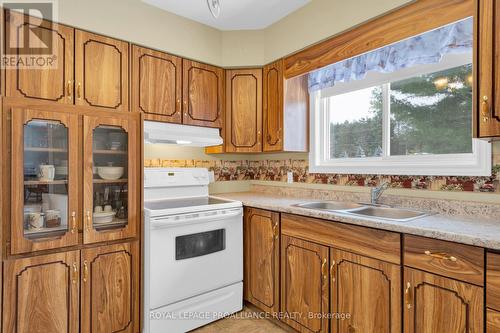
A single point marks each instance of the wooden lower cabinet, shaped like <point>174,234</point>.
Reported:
<point>110,288</point>
<point>492,321</point>
<point>41,294</point>
<point>304,285</point>
<point>438,304</point>
<point>262,259</point>
<point>365,294</point>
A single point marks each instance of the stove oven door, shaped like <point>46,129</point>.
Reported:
<point>191,254</point>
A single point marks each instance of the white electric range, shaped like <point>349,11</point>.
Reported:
<point>193,251</point>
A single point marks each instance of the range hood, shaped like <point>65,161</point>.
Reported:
<point>194,136</point>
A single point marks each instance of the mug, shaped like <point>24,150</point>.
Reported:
<point>98,209</point>
<point>108,208</point>
<point>46,172</point>
<point>35,220</point>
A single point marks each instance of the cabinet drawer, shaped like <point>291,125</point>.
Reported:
<point>373,243</point>
<point>457,261</point>
<point>493,281</point>
<point>492,321</point>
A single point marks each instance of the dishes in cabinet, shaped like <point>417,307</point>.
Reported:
<point>103,217</point>
<point>110,172</point>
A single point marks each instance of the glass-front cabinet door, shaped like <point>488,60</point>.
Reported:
<point>44,180</point>
<point>110,178</point>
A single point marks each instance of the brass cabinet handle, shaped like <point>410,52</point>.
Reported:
<point>73,222</point>
<point>485,109</point>
<point>276,232</point>
<point>89,220</point>
<point>332,271</point>
<point>440,255</point>
<point>324,271</point>
<point>75,272</point>
<point>408,295</point>
<point>68,89</point>
<point>85,271</point>
<point>79,90</point>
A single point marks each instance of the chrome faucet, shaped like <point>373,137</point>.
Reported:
<point>376,192</point>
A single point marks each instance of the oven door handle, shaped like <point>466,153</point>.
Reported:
<point>166,222</point>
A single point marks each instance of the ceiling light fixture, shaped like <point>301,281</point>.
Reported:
<point>214,7</point>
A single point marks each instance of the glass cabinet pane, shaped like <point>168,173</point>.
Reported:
<point>110,178</point>
<point>46,211</point>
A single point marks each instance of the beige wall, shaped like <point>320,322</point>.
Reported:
<point>137,22</point>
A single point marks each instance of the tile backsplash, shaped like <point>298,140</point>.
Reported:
<point>276,170</point>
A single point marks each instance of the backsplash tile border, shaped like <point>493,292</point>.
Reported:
<point>276,170</point>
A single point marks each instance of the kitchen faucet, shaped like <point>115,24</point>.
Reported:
<point>376,192</point>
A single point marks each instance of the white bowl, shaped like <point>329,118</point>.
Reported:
<point>110,173</point>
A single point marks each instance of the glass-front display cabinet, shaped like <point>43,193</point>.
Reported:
<point>110,178</point>
<point>44,180</point>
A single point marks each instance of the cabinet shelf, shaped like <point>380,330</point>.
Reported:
<point>109,181</point>
<point>110,152</point>
<point>45,182</point>
<point>45,232</point>
<point>45,150</point>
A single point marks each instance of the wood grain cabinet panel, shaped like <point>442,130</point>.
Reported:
<point>156,85</point>
<point>272,106</point>
<point>203,94</point>
<point>101,71</point>
<point>488,115</point>
<point>110,288</point>
<point>493,281</point>
<point>244,110</point>
<point>458,261</point>
<point>262,259</point>
<point>438,304</point>
<point>304,285</point>
<point>492,321</point>
<point>41,294</point>
<point>368,290</point>
<point>53,80</point>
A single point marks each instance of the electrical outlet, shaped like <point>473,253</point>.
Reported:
<point>289,177</point>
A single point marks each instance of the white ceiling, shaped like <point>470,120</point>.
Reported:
<point>235,14</point>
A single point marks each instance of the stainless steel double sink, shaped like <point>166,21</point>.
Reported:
<point>365,210</point>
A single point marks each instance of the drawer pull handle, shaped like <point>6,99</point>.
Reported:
<point>485,109</point>
<point>408,295</point>
<point>440,255</point>
<point>324,269</point>
<point>75,273</point>
<point>79,90</point>
<point>332,271</point>
<point>85,271</point>
<point>276,232</point>
<point>68,89</point>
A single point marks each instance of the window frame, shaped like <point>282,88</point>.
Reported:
<point>477,163</point>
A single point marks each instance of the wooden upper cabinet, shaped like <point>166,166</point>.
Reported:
<point>437,304</point>
<point>156,85</point>
<point>110,177</point>
<point>41,294</point>
<point>488,115</point>
<point>369,290</point>
<point>262,258</point>
<point>203,94</point>
<point>304,285</point>
<point>110,288</point>
<point>244,110</point>
<point>52,80</point>
<point>45,185</point>
<point>101,71</point>
<point>272,106</point>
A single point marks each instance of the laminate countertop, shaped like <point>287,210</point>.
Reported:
<point>478,232</point>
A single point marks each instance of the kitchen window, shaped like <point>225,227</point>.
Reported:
<point>402,109</point>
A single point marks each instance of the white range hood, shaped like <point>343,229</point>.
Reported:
<point>157,132</point>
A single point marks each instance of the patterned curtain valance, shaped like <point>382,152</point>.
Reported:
<point>427,48</point>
